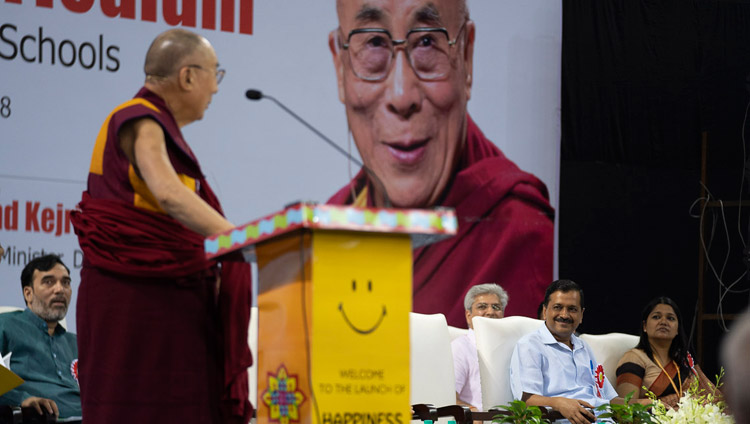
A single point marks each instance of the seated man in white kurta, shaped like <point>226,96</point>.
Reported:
<point>483,300</point>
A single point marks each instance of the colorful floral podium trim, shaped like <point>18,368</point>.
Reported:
<point>425,226</point>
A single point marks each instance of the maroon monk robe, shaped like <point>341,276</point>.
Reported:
<point>505,234</point>
<point>155,344</point>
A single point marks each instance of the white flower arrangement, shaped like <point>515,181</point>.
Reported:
<point>696,406</point>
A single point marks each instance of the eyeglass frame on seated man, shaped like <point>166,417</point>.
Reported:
<point>401,43</point>
<point>497,307</point>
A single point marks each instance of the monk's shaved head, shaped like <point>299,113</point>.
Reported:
<point>169,51</point>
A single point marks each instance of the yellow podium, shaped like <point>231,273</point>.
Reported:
<point>334,296</point>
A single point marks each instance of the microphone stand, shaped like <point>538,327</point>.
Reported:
<point>257,95</point>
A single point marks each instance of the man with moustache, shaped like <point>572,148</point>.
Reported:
<point>404,71</point>
<point>553,367</point>
<point>42,352</point>
<point>162,332</point>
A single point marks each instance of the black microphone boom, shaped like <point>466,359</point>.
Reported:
<point>257,95</point>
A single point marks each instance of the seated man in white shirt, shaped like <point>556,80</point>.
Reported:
<point>552,367</point>
<point>484,300</point>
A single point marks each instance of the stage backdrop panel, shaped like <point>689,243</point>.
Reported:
<point>65,64</point>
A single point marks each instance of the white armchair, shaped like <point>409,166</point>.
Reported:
<point>608,349</point>
<point>431,360</point>
<point>456,332</point>
<point>496,339</point>
<point>252,371</point>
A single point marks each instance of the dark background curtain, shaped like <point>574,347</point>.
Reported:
<point>642,81</point>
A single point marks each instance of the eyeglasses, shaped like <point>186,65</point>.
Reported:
<point>429,51</point>
<point>483,307</point>
<point>219,73</point>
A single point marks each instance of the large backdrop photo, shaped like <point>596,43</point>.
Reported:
<point>65,64</point>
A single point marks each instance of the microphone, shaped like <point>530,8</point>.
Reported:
<point>253,94</point>
<point>258,95</point>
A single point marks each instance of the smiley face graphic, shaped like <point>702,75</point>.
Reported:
<point>367,326</point>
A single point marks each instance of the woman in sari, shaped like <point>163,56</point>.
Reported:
<point>661,361</point>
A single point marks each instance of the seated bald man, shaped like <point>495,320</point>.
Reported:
<point>404,72</point>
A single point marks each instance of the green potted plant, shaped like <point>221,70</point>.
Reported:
<point>630,413</point>
<point>520,413</point>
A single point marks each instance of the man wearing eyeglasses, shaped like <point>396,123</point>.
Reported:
<point>158,324</point>
<point>483,300</point>
<point>404,71</point>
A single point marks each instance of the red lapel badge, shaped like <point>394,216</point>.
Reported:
<point>74,369</point>
<point>599,379</point>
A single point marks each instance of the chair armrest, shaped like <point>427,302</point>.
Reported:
<point>10,414</point>
<point>551,414</point>
<point>424,411</point>
<point>488,415</point>
<point>30,416</point>
<point>461,413</point>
